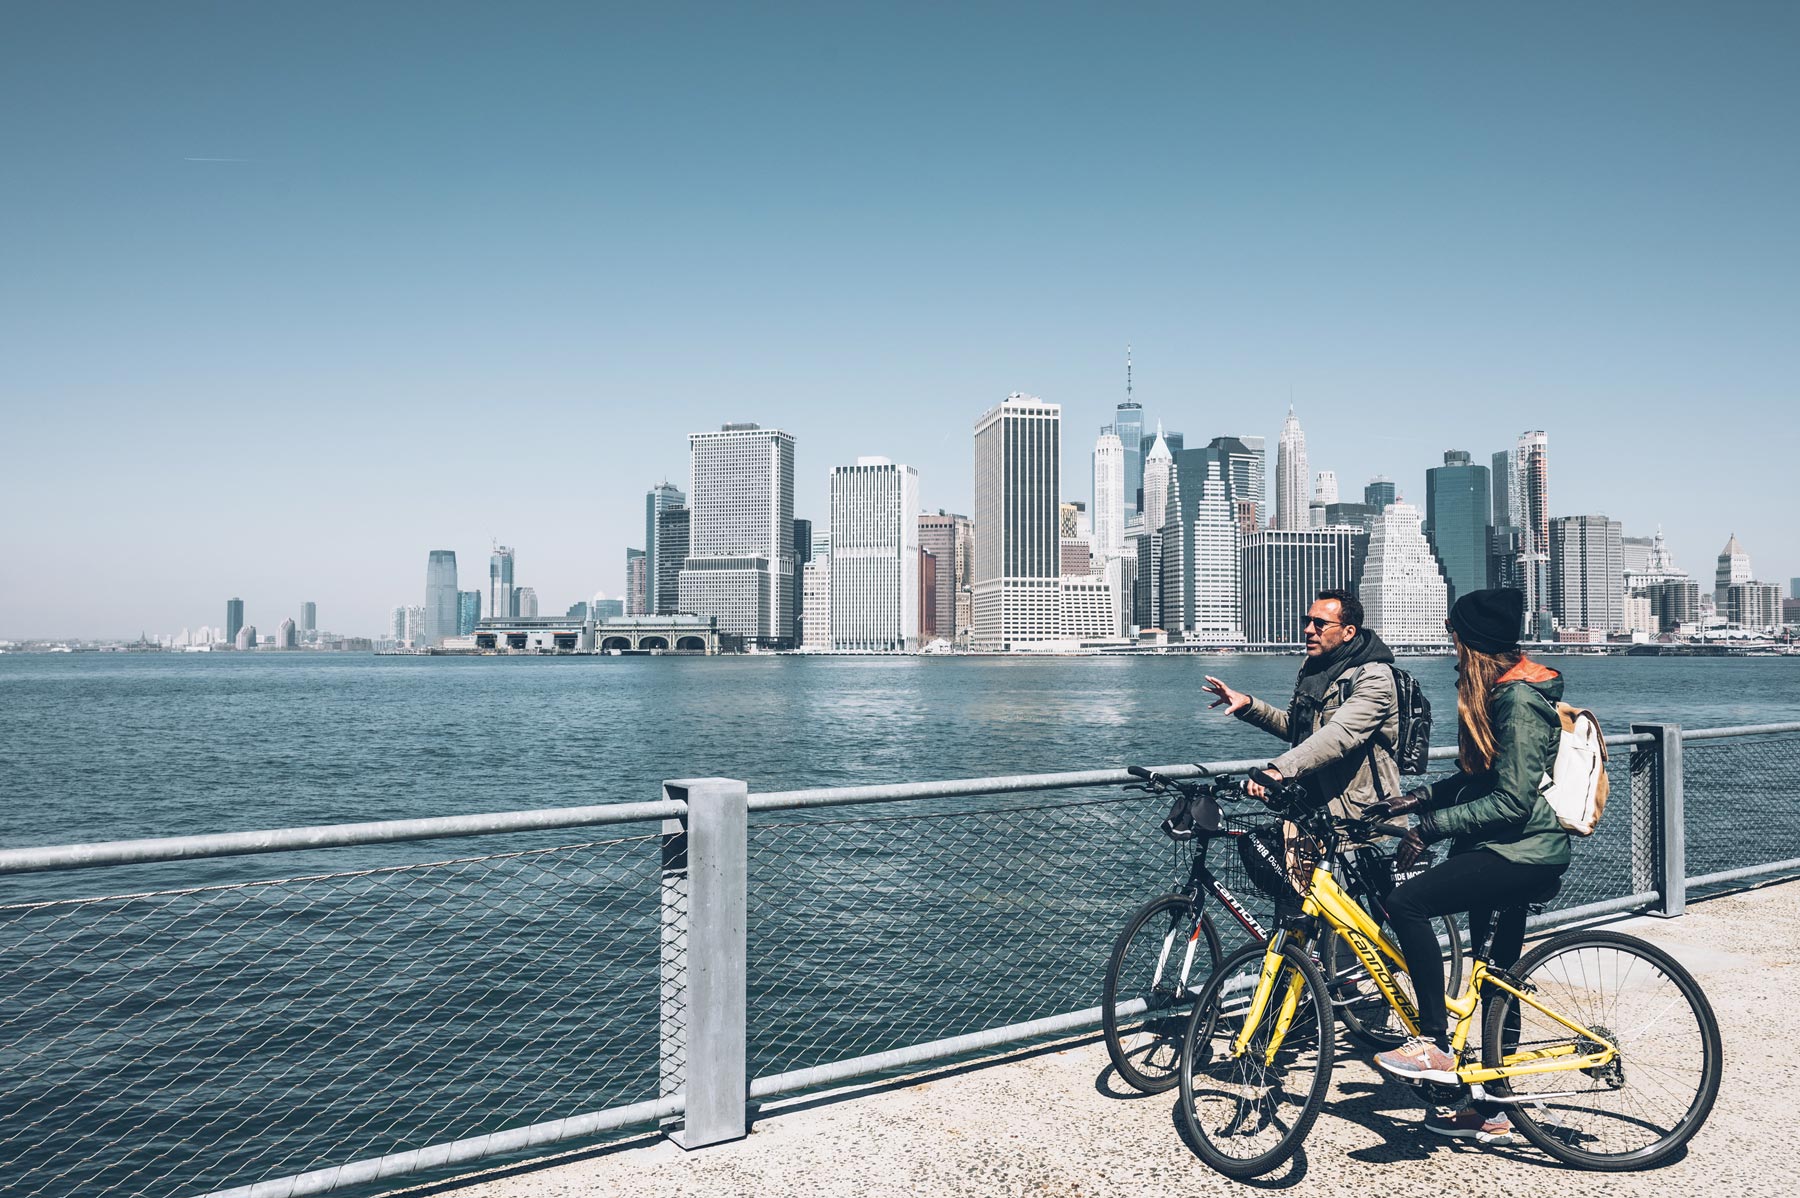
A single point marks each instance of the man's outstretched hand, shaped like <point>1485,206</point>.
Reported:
<point>1233,701</point>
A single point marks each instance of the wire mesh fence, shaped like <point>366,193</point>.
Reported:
<point>874,932</point>
<point>182,1041</point>
<point>1737,792</point>
<point>870,933</point>
<point>178,1042</point>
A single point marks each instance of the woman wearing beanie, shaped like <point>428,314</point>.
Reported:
<point>1507,848</point>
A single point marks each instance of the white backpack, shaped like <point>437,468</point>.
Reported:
<point>1576,785</point>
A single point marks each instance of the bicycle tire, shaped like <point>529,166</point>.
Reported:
<point>1367,1016</point>
<point>1605,981</point>
<point>1144,1051</point>
<point>1219,1093</point>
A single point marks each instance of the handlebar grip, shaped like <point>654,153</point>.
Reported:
<point>1399,830</point>
<point>1138,771</point>
<point>1265,781</point>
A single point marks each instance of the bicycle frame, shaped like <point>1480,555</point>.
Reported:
<point>1326,900</point>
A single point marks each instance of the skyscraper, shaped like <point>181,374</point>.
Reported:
<point>1128,426</point>
<point>234,620</point>
<point>1293,499</point>
<point>662,496</point>
<point>1284,569</point>
<point>468,612</point>
<point>500,583</point>
<point>287,635</point>
<point>803,550</point>
<point>1243,457</point>
<point>947,537</point>
<point>1459,521</point>
<point>874,556</point>
<point>1587,573</point>
<point>1325,489</point>
<point>1199,562</point>
<point>440,596</point>
<point>1109,494</point>
<point>815,621</point>
<point>672,551</point>
<point>927,597</point>
<point>1734,566</point>
<point>525,602</point>
<point>1530,491</point>
<point>637,584</point>
<point>1159,465</point>
<point>1404,595</point>
<point>1637,551</point>
<point>309,617</point>
<point>1018,479</point>
<point>1379,491</point>
<point>740,564</point>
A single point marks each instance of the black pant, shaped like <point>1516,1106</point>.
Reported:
<point>1481,883</point>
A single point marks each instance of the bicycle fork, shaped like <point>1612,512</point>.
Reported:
<point>1187,958</point>
<point>1273,960</point>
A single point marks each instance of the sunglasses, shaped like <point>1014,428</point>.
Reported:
<point>1323,624</point>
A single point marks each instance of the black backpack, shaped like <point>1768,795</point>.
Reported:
<point>1412,747</point>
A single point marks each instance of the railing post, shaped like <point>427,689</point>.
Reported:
<point>1669,863</point>
<point>704,985</point>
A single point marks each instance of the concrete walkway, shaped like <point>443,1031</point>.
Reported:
<point>1053,1122</point>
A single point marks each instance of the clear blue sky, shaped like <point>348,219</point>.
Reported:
<point>290,297</point>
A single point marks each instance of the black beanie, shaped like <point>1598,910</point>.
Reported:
<point>1489,621</point>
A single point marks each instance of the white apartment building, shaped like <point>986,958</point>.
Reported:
<point>1404,594</point>
<point>1018,484</point>
<point>874,557</point>
<point>815,589</point>
<point>740,562</point>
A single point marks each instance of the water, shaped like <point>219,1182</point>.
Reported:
<point>102,746</point>
<point>175,1043</point>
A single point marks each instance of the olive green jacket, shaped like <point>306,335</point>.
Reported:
<point>1503,809</point>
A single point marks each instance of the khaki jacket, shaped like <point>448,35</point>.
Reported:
<point>1334,760</point>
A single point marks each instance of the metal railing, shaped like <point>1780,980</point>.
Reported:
<point>323,1033</point>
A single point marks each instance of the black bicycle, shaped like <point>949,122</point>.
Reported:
<point>1170,947</point>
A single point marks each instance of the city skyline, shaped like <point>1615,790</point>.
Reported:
<point>500,557</point>
<point>291,342</point>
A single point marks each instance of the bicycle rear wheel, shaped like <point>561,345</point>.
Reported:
<point>1365,1011</point>
<point>1638,1110</point>
<point>1165,954</point>
<point>1247,1115</point>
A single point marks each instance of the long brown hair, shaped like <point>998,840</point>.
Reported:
<point>1476,673</point>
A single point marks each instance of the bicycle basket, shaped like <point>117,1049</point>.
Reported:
<point>1262,850</point>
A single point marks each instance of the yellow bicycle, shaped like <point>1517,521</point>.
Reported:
<point>1601,1047</point>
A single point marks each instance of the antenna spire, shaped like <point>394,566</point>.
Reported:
<point>1127,374</point>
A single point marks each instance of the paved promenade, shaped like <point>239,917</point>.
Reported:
<point>1052,1122</point>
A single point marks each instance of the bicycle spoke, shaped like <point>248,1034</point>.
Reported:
<point>1650,1097</point>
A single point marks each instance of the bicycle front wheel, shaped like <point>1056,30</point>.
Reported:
<point>1637,1110</point>
<point>1248,1113</point>
<point>1165,954</point>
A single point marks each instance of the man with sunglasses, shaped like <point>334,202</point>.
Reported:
<point>1343,720</point>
